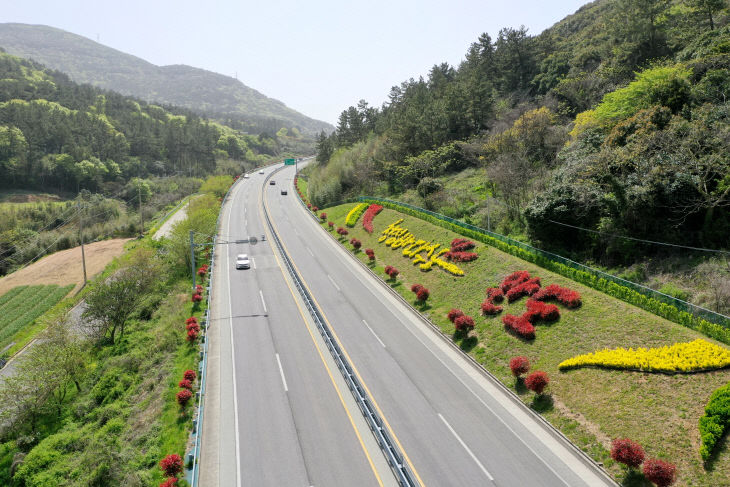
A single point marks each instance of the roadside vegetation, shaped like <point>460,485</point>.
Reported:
<point>592,405</point>
<point>612,123</point>
<point>101,399</point>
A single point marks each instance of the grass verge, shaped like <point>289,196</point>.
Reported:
<point>591,406</point>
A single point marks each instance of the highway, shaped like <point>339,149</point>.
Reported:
<point>454,425</point>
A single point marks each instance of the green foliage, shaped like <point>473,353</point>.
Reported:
<point>715,421</point>
<point>20,306</point>
<point>217,185</point>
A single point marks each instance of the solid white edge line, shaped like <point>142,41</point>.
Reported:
<point>374,334</point>
<point>233,358</point>
<point>468,450</point>
<point>334,283</point>
<point>281,371</point>
<point>261,293</point>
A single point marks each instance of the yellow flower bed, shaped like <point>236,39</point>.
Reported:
<point>355,213</point>
<point>695,356</point>
<point>396,237</point>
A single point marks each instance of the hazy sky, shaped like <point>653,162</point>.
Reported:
<point>317,56</point>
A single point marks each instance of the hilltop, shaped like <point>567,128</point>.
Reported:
<point>205,92</point>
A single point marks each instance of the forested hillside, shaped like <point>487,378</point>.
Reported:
<point>206,93</point>
<point>614,120</point>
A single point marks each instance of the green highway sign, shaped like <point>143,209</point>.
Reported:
<point>289,162</point>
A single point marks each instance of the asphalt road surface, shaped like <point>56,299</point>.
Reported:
<point>275,393</point>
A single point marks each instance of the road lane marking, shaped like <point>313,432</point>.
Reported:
<point>374,334</point>
<point>253,262</point>
<point>468,450</point>
<point>354,369</point>
<point>310,251</point>
<point>334,283</point>
<point>233,359</point>
<point>329,373</point>
<point>281,371</point>
<point>261,293</point>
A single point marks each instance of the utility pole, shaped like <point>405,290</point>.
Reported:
<point>81,237</point>
<point>489,226</point>
<point>141,217</point>
<point>192,257</point>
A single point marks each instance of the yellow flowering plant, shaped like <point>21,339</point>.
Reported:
<point>354,215</point>
<point>696,356</point>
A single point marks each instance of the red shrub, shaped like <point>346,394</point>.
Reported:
<point>370,213</point>
<point>192,319</point>
<point>391,271</point>
<point>563,295</point>
<point>526,288</point>
<point>388,269</point>
<point>545,312</point>
<point>531,316</point>
<point>495,294</point>
<point>193,326</point>
<point>422,294</point>
<point>309,205</point>
<point>315,209</point>
<point>519,365</point>
<point>460,256</point>
<point>342,231</point>
<point>415,288</point>
<point>660,472</point>
<point>488,308</point>
<point>519,326</point>
<point>464,323</point>
<point>199,288</point>
<point>189,375</point>
<point>370,253</point>
<point>323,216</point>
<point>169,482</point>
<point>454,313</point>
<point>171,465</point>
<point>196,298</point>
<point>185,384</point>
<point>356,243</point>
<point>514,279</point>
<point>201,272</point>
<point>192,335</point>
<point>183,397</point>
<point>331,225</point>
<point>627,452</point>
<point>461,244</point>
<point>537,381</point>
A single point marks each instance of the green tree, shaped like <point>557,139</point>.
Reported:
<point>707,9</point>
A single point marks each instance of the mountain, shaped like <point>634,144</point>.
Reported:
<point>212,94</point>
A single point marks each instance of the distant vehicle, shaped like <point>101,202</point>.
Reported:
<point>242,262</point>
<point>272,182</point>
<point>245,176</point>
<point>261,171</point>
<point>283,191</point>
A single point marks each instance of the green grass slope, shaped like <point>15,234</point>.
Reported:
<point>591,406</point>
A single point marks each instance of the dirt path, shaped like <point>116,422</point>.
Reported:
<point>64,267</point>
<point>166,227</point>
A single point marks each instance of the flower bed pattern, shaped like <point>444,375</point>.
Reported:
<point>696,356</point>
<point>396,237</point>
<point>354,215</point>
<point>370,214</point>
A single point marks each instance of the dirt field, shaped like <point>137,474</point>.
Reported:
<point>64,267</point>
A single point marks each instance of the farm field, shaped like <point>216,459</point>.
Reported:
<point>591,406</point>
<point>21,305</point>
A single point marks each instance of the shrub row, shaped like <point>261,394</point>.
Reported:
<point>354,215</point>
<point>718,331</point>
<point>370,214</point>
<point>715,420</point>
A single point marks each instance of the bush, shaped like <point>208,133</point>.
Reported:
<point>356,244</point>
<point>461,256</point>
<point>415,288</point>
<point>323,216</point>
<point>488,308</point>
<point>185,384</point>
<point>370,253</point>
<point>715,420</point>
<point>172,465</point>
<point>464,324</point>
<point>331,225</point>
<point>189,375</point>
<point>422,294</point>
<point>627,452</point>
<point>169,482</point>
<point>192,336</point>
<point>519,326</point>
<point>196,298</point>
<point>342,231</point>
<point>367,219</point>
<point>537,381</point>
<point>391,271</point>
<point>660,472</point>
<point>495,294</point>
<point>519,365</point>
<point>461,244</point>
<point>183,397</point>
<point>454,313</point>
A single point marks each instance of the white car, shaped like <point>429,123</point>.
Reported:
<point>245,176</point>
<point>261,171</point>
<point>242,262</point>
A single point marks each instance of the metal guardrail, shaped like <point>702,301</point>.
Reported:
<point>392,453</point>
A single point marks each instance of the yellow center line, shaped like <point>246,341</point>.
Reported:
<point>357,373</point>
<point>329,372</point>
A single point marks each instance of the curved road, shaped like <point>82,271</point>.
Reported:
<point>454,424</point>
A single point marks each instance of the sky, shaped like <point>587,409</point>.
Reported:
<point>316,56</point>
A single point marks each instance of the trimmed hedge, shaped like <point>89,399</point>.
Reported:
<point>713,330</point>
<point>715,420</point>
